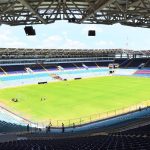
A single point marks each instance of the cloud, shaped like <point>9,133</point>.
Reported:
<point>9,40</point>
<point>58,41</point>
<point>62,41</point>
<point>105,44</point>
<point>51,42</point>
<point>73,44</point>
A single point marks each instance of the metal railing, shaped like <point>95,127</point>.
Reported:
<point>96,117</point>
<point>82,120</point>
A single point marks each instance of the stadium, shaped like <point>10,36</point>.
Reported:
<point>74,99</point>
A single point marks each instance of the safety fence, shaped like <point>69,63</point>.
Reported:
<point>95,117</point>
<point>10,116</point>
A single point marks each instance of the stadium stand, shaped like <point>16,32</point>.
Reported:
<point>35,67</point>
<point>147,63</point>
<point>99,142</point>
<point>135,62</point>
<point>138,131</point>
<point>90,64</point>
<point>58,61</point>
<point>121,61</point>
<point>11,127</point>
<point>129,139</point>
<point>103,64</point>
<point>1,71</point>
<point>14,69</point>
<point>67,65</point>
<point>50,67</point>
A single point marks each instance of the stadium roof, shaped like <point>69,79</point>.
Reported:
<point>126,12</point>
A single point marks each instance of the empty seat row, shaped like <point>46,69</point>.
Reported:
<point>101,142</point>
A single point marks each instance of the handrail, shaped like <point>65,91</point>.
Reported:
<point>86,119</point>
<point>96,117</point>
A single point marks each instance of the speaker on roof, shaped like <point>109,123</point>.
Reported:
<point>91,33</point>
<point>29,30</point>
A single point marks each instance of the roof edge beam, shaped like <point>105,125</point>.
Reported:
<point>26,4</point>
<point>98,5</point>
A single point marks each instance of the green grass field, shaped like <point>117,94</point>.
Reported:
<point>77,98</point>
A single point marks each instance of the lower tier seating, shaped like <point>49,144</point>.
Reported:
<point>90,64</point>
<point>123,63</point>
<point>135,62</point>
<point>148,63</point>
<point>101,142</point>
<point>141,130</point>
<point>13,69</point>
<point>103,64</point>
<point>35,67</point>
<point>11,127</point>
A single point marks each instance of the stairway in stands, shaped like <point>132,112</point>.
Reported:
<point>147,64</point>
<point>55,76</point>
<point>43,67</point>
<point>76,66</point>
<point>97,65</point>
<point>3,70</point>
<point>127,65</point>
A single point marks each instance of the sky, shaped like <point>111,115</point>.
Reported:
<point>64,35</point>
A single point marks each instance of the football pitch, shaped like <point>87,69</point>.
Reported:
<point>76,98</point>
